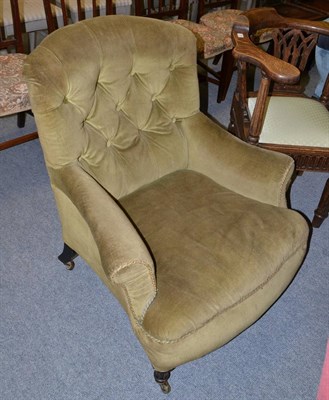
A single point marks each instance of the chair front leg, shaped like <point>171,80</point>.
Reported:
<point>162,379</point>
<point>322,211</point>
<point>67,256</point>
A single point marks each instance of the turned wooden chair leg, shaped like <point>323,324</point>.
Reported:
<point>321,213</point>
<point>162,379</point>
<point>67,257</point>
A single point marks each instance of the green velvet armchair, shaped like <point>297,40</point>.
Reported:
<point>185,224</point>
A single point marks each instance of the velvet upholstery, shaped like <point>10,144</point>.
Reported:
<point>185,224</point>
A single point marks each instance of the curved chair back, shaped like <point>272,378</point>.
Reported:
<point>119,107</point>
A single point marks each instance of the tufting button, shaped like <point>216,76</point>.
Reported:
<point>108,143</point>
<point>172,67</point>
<point>174,120</point>
<point>154,97</point>
<point>118,107</point>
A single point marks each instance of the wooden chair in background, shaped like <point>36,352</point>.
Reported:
<point>279,116</point>
<point>162,9</point>
<point>316,10</point>
<point>206,6</point>
<point>220,16</point>
<point>213,30</point>
<point>13,90</point>
<point>76,10</point>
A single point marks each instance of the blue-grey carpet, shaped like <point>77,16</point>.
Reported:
<point>64,336</point>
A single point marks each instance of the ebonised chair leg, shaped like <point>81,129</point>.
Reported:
<point>67,257</point>
<point>321,213</point>
<point>21,117</point>
<point>162,379</point>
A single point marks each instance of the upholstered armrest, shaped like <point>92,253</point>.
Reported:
<point>246,169</point>
<point>125,258</point>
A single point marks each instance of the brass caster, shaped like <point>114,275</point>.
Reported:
<point>162,379</point>
<point>165,387</point>
<point>69,265</point>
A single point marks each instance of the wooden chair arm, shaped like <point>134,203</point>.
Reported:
<point>276,69</point>
<point>268,17</point>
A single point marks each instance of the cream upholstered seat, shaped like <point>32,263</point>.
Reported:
<point>184,223</point>
<point>308,116</point>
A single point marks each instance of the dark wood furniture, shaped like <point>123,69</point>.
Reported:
<point>292,42</point>
<point>11,76</point>
<point>15,41</point>
<point>162,9</point>
<point>304,9</point>
<point>205,6</point>
<point>76,7</point>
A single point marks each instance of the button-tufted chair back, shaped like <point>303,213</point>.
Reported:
<point>117,98</point>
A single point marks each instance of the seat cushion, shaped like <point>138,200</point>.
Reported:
<point>221,20</point>
<point>213,33</point>
<point>310,127</point>
<point>13,89</point>
<point>210,42</point>
<point>213,250</point>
